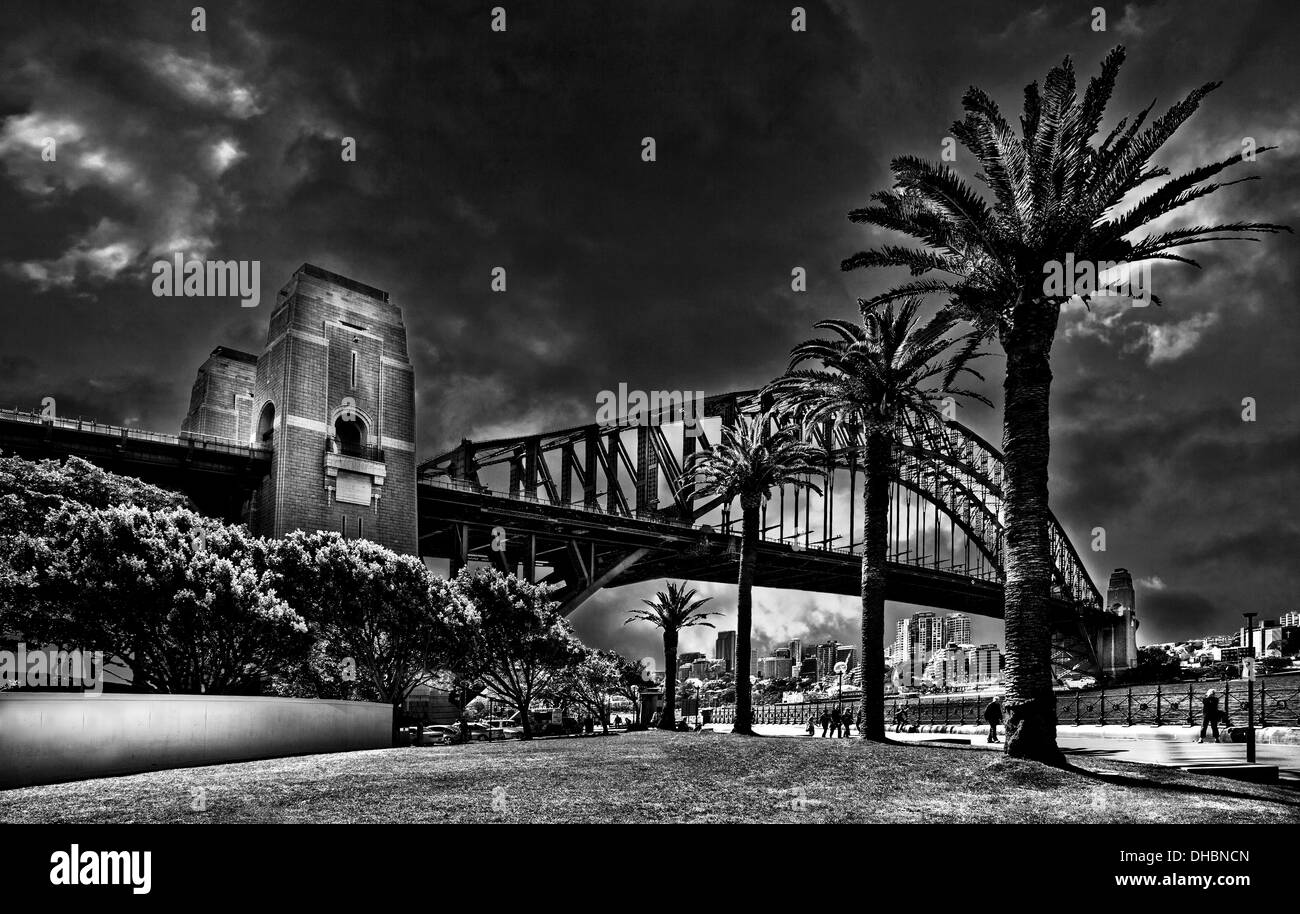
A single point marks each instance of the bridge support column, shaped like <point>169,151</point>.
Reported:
<point>647,470</point>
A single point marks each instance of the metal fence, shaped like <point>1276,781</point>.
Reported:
<point>1277,704</point>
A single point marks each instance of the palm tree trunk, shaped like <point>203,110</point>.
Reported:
<point>745,613</point>
<point>875,551</point>
<point>668,716</point>
<point>1030,704</point>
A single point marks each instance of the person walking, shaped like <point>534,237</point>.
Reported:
<point>1209,715</point>
<point>993,714</point>
<point>847,719</point>
<point>837,719</point>
<point>900,719</point>
<point>826,722</point>
<point>812,725</point>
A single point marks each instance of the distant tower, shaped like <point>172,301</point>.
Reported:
<point>333,396</point>
<point>956,629</point>
<point>1117,642</point>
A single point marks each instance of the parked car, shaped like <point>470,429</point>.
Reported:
<point>447,734</point>
<point>502,728</point>
<point>547,722</point>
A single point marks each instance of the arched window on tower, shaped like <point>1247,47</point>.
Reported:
<point>266,427</point>
<point>350,436</point>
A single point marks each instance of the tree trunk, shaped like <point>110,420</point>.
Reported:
<point>875,554</point>
<point>526,721</point>
<point>1030,704</point>
<point>745,613</point>
<point>668,715</point>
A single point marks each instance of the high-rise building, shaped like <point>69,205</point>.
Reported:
<point>928,632</point>
<point>950,667</point>
<point>796,651</point>
<point>956,629</point>
<point>753,661</point>
<point>775,668</point>
<point>826,657</point>
<point>1289,620</point>
<point>781,652</point>
<point>846,654</point>
<point>725,650</point>
<point>985,665</point>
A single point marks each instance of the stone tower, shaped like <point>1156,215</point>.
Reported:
<point>221,401</point>
<point>333,395</point>
<point>1117,642</point>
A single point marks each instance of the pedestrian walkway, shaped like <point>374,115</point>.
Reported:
<point>1148,745</point>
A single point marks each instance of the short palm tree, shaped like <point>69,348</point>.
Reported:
<point>747,464</point>
<point>671,611</point>
<point>875,378</point>
<point>1054,193</point>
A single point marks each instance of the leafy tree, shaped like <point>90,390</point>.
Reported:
<point>1154,664</point>
<point>1056,196</point>
<point>633,676</point>
<point>876,380</point>
<point>182,599</point>
<point>32,491</point>
<point>671,611</point>
<point>592,682</point>
<point>748,463</point>
<point>519,643</point>
<point>378,618</point>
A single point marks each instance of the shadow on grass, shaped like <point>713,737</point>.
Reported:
<point>1127,780</point>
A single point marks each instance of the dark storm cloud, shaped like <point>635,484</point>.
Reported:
<point>522,150</point>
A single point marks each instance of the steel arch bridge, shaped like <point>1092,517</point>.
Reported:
<point>599,506</point>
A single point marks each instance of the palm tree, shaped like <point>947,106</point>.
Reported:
<point>748,462</point>
<point>1054,193</point>
<point>672,611</point>
<point>875,379</point>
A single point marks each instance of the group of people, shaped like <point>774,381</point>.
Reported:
<point>835,723</point>
<point>992,717</point>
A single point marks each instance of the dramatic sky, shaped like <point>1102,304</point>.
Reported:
<point>522,149</point>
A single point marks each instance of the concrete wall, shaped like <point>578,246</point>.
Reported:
<point>46,738</point>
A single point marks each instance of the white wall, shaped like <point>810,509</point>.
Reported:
<point>49,737</point>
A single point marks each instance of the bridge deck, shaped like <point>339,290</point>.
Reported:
<point>550,535</point>
<point>215,474</point>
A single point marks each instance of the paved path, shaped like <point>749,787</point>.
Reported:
<point>1175,753</point>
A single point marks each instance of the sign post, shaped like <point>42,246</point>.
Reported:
<point>1248,673</point>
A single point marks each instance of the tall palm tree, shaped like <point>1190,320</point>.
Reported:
<point>747,464</point>
<point>876,378</point>
<point>672,611</point>
<point>1054,193</point>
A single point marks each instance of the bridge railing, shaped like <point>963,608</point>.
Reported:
<point>205,442</point>
<point>1276,701</point>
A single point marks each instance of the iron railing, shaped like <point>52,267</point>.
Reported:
<point>186,439</point>
<point>354,449</point>
<point>1277,704</point>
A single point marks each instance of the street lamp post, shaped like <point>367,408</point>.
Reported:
<point>839,698</point>
<point>1250,688</point>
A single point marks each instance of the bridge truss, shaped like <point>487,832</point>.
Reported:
<point>605,505</point>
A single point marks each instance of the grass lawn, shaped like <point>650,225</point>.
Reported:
<point>659,777</point>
